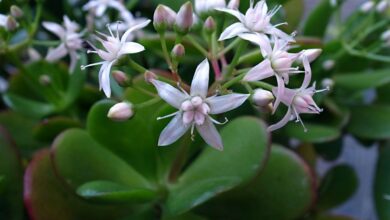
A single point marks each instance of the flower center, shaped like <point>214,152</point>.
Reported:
<point>195,110</point>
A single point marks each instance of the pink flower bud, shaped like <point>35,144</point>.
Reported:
<point>234,4</point>
<point>16,11</point>
<point>121,78</point>
<point>184,18</point>
<point>121,111</point>
<point>311,54</point>
<point>209,25</point>
<point>262,98</point>
<point>11,23</point>
<point>178,51</point>
<point>149,76</point>
<point>164,17</point>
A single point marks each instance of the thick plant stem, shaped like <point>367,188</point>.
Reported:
<point>181,158</point>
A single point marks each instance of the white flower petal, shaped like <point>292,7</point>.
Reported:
<point>220,104</point>
<point>3,20</point>
<point>210,134</point>
<point>200,82</point>
<point>281,123</point>
<point>173,131</point>
<point>260,72</point>
<point>73,61</point>
<point>57,53</point>
<point>100,10</point>
<point>54,28</point>
<point>307,79</point>
<point>170,94</point>
<point>130,48</point>
<point>233,31</point>
<point>105,82</point>
<point>90,4</point>
<point>134,28</point>
<point>259,39</point>
<point>279,34</point>
<point>235,13</point>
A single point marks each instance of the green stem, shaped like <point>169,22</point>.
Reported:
<point>197,46</point>
<point>229,47</point>
<point>249,56</point>
<point>165,50</point>
<point>137,66</point>
<point>46,43</point>
<point>233,81</point>
<point>236,58</point>
<point>148,103</point>
<point>262,85</point>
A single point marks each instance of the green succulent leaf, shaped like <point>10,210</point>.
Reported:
<point>78,159</point>
<point>318,20</point>
<point>46,198</point>
<point>28,107</point>
<point>11,179</point>
<point>316,133</point>
<point>285,189</point>
<point>113,192</point>
<point>372,122</point>
<point>50,128</point>
<point>213,172</point>
<point>362,81</point>
<point>338,185</point>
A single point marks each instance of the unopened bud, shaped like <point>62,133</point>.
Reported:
<point>367,6</point>
<point>121,111</point>
<point>11,23</point>
<point>234,4</point>
<point>164,17</point>
<point>328,64</point>
<point>44,80</point>
<point>184,19</point>
<point>178,52</point>
<point>311,54</point>
<point>121,78</point>
<point>16,11</point>
<point>209,25</point>
<point>149,76</point>
<point>262,98</point>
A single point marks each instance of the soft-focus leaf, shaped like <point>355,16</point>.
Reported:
<point>79,159</point>
<point>132,140</point>
<point>113,192</point>
<point>11,179</point>
<point>382,183</point>
<point>284,190</point>
<point>318,20</point>
<point>372,122</point>
<point>28,107</point>
<point>330,150</point>
<point>75,83</point>
<point>294,10</point>
<point>316,133</point>
<point>337,186</point>
<point>50,128</point>
<point>213,172</point>
<point>46,198</point>
<point>362,81</point>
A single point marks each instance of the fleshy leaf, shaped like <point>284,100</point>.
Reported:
<point>316,133</point>
<point>284,190</point>
<point>50,128</point>
<point>213,172</point>
<point>362,81</point>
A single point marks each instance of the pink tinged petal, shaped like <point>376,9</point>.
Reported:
<point>106,55</point>
<point>233,31</point>
<point>134,28</point>
<point>130,48</point>
<point>221,104</point>
<point>170,94</point>
<point>200,82</point>
<point>56,29</point>
<point>280,92</point>
<point>235,13</point>
<point>259,39</point>
<point>210,134</point>
<point>173,131</point>
<point>288,95</point>
<point>187,106</point>
<point>271,30</point>
<point>261,71</point>
<point>281,123</point>
<point>57,53</point>
<point>188,117</point>
<point>73,61</point>
<point>102,68</point>
<point>199,118</point>
<point>106,80</point>
<point>205,109</point>
<point>307,79</point>
<point>90,4</point>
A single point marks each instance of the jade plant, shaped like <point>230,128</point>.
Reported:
<point>189,110</point>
